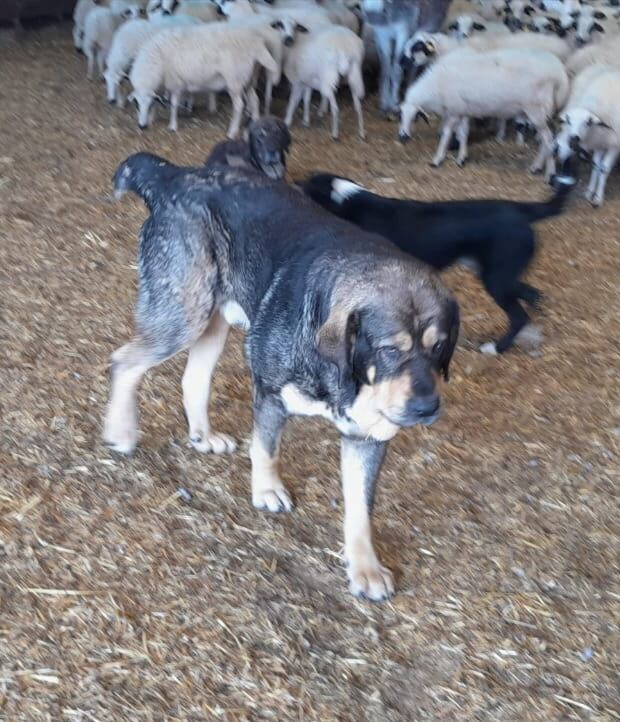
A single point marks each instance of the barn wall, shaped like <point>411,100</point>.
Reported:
<point>12,11</point>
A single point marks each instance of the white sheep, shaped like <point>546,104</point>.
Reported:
<point>594,26</point>
<point>423,48</point>
<point>605,53</point>
<point>212,57</point>
<point>126,44</point>
<point>203,10</point>
<point>99,27</point>
<point>499,84</point>
<point>81,10</point>
<point>317,62</point>
<point>464,26</point>
<point>591,121</point>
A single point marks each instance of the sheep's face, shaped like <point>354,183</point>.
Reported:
<point>288,29</point>
<point>464,26</point>
<point>586,27</point>
<point>576,127</point>
<point>418,52</point>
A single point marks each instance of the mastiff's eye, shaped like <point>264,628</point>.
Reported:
<point>389,354</point>
<point>438,348</point>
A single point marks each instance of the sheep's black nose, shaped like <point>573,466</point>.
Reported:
<point>574,143</point>
<point>404,137</point>
<point>288,41</point>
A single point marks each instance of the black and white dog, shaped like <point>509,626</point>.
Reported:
<point>228,246</point>
<point>494,236</point>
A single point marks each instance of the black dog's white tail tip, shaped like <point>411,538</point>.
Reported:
<point>563,180</point>
<point>343,189</point>
<point>118,193</point>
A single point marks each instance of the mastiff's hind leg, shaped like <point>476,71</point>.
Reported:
<point>203,357</point>
<point>129,364</point>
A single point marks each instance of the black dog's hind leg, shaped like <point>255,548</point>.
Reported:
<point>517,319</point>
<point>268,490</point>
<point>529,294</point>
<point>360,463</point>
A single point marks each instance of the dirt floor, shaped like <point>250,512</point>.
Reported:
<point>149,589</point>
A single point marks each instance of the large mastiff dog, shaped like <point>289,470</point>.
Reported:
<point>339,324</point>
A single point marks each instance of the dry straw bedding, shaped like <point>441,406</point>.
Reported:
<point>148,589</point>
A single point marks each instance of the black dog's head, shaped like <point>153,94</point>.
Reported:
<point>269,141</point>
<point>391,331</point>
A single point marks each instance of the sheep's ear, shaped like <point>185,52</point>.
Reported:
<point>277,25</point>
<point>529,10</point>
<point>598,27</point>
<point>301,28</point>
<point>479,26</point>
<point>453,26</point>
<point>575,14</point>
<point>599,15</point>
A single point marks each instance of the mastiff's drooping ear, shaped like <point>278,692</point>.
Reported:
<point>450,323</point>
<point>336,338</point>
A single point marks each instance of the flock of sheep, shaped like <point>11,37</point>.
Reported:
<point>503,59</point>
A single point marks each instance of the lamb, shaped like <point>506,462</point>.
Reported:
<point>317,63</point>
<point>591,121</point>
<point>99,27</point>
<point>126,44</point>
<point>500,84</point>
<point>211,57</point>
<point>265,148</point>
<point>605,53</point>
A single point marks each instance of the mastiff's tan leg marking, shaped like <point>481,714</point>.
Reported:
<point>120,426</point>
<point>360,462</point>
<point>201,362</point>
<point>268,490</point>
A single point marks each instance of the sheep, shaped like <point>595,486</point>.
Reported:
<point>99,27</point>
<point>317,63</point>
<point>591,121</point>
<point>594,26</point>
<point>211,57</point>
<point>126,43</point>
<point>423,48</point>
<point>605,53</point>
<point>463,26</point>
<point>81,10</point>
<point>203,10</point>
<point>516,13</point>
<point>499,83</point>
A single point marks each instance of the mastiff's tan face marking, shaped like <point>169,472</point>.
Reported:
<point>402,341</point>
<point>376,403</point>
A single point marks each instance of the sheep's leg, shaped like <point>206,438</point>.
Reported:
<point>356,86</point>
<point>188,103</point>
<point>268,94</point>
<point>201,362</point>
<point>333,106</point>
<point>462,135</point>
<point>544,157</point>
<point>212,103</point>
<point>607,163</point>
<point>597,157</point>
<point>322,106</point>
<point>175,99</point>
<point>383,42</point>
<point>253,106</point>
<point>442,147</point>
<point>101,61</point>
<point>501,130</point>
<point>307,98</point>
<point>400,40</point>
<point>90,66</point>
<point>235,121</point>
<point>293,102</point>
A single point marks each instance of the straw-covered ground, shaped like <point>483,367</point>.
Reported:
<point>148,589</point>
